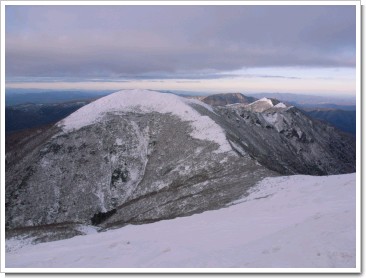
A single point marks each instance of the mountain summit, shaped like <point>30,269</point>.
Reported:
<point>139,156</point>
<point>149,102</point>
<point>131,157</point>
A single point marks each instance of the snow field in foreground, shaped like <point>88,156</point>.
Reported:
<point>145,101</point>
<point>291,221</point>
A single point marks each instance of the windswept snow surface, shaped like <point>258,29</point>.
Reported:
<point>145,101</point>
<point>291,221</point>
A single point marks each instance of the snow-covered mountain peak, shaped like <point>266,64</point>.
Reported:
<point>139,156</point>
<point>280,105</point>
<point>267,100</point>
<point>147,101</point>
<point>260,105</point>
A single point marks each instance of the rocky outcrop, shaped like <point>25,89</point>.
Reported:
<point>140,156</point>
<point>287,141</point>
<point>127,167</point>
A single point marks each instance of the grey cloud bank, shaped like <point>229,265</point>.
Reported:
<point>176,41</point>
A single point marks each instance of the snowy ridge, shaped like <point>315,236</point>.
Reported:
<point>260,105</point>
<point>145,101</point>
<point>280,105</point>
<point>266,100</point>
<point>289,221</point>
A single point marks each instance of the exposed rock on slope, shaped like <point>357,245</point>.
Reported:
<point>297,221</point>
<point>131,157</point>
<point>141,156</point>
<point>285,140</point>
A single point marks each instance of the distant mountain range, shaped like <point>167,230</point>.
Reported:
<point>50,107</point>
<point>24,116</point>
<point>303,100</point>
<point>345,120</point>
<point>340,116</point>
<point>37,96</point>
<point>224,99</point>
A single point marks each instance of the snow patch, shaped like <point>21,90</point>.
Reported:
<point>260,105</point>
<point>292,221</point>
<point>267,100</point>
<point>238,148</point>
<point>280,105</point>
<point>145,101</point>
<point>276,120</point>
<point>88,229</point>
<point>119,142</point>
<point>14,244</point>
<point>271,118</point>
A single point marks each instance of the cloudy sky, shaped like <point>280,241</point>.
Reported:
<point>305,49</point>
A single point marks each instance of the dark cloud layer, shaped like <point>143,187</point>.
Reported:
<point>115,41</point>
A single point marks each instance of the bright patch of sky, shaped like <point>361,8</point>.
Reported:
<point>316,81</point>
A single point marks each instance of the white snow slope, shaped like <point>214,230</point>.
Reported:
<point>291,221</point>
<point>144,101</point>
<point>260,105</point>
